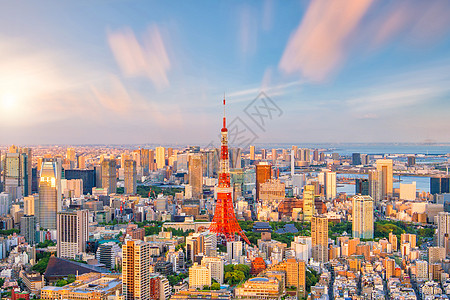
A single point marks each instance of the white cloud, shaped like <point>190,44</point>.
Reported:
<point>148,58</point>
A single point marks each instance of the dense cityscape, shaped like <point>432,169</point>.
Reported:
<point>249,150</point>
<point>110,223</point>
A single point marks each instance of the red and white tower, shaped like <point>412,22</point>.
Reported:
<point>224,221</point>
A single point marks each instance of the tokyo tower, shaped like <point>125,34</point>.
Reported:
<point>224,221</point>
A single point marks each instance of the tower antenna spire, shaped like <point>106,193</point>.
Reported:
<point>224,118</point>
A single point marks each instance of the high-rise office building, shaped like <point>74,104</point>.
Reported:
<point>5,204</point>
<point>362,217</point>
<point>28,228</point>
<point>304,155</point>
<point>439,185</point>
<point>145,160</point>
<point>375,179</point>
<point>196,175</point>
<point>106,254</point>
<point>364,159</point>
<point>81,162</point>
<point>13,169</point>
<point>252,152</point>
<point>295,275</point>
<point>88,177</point>
<point>49,193</point>
<point>319,237</point>
<point>331,185</point>
<point>27,165</point>
<point>263,154</point>
<point>109,176</point>
<point>308,202</point>
<point>385,166</point>
<point>130,176</point>
<point>72,233</point>
<point>136,270</point>
<point>274,155</point>
<point>29,204</point>
<point>356,159</point>
<point>411,160</point>
<point>292,163</point>
<point>71,154</point>
<point>362,186</point>
<point>443,228</point>
<point>263,173</point>
<point>160,157</point>
<point>151,160</point>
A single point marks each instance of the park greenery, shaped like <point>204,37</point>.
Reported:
<point>174,279</point>
<point>234,274</point>
<point>311,278</point>
<point>42,261</point>
<point>45,244</point>
<point>9,231</point>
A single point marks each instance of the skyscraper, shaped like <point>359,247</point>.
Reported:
<point>263,154</point>
<point>49,193</point>
<point>109,177</point>
<point>362,186</point>
<point>308,202</point>
<point>375,179</point>
<point>72,233</point>
<point>362,217</point>
<point>439,185</point>
<point>145,162</point>
<point>319,237</point>
<point>196,175</point>
<point>130,176</point>
<point>356,159</point>
<point>71,155</point>
<point>26,166</point>
<point>331,185</point>
<point>263,173</point>
<point>274,155</point>
<point>385,166</point>
<point>252,152</point>
<point>136,270</point>
<point>292,162</point>
<point>151,160</point>
<point>13,168</point>
<point>28,228</point>
<point>160,157</point>
<point>443,228</point>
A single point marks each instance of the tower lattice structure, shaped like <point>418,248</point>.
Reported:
<point>224,221</point>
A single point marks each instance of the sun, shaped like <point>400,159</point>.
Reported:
<point>8,101</point>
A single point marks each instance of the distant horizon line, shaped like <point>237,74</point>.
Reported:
<point>247,146</point>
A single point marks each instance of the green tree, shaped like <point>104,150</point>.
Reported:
<point>215,286</point>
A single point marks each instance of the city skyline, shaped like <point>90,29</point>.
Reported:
<point>143,73</point>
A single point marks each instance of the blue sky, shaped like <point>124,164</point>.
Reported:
<point>155,72</point>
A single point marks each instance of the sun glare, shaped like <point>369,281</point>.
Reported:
<point>8,101</point>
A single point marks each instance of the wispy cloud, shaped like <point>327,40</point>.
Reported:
<point>331,31</point>
<point>412,21</point>
<point>318,46</point>
<point>147,58</point>
<point>248,26</point>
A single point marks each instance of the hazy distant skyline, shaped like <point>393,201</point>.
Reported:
<point>137,72</point>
